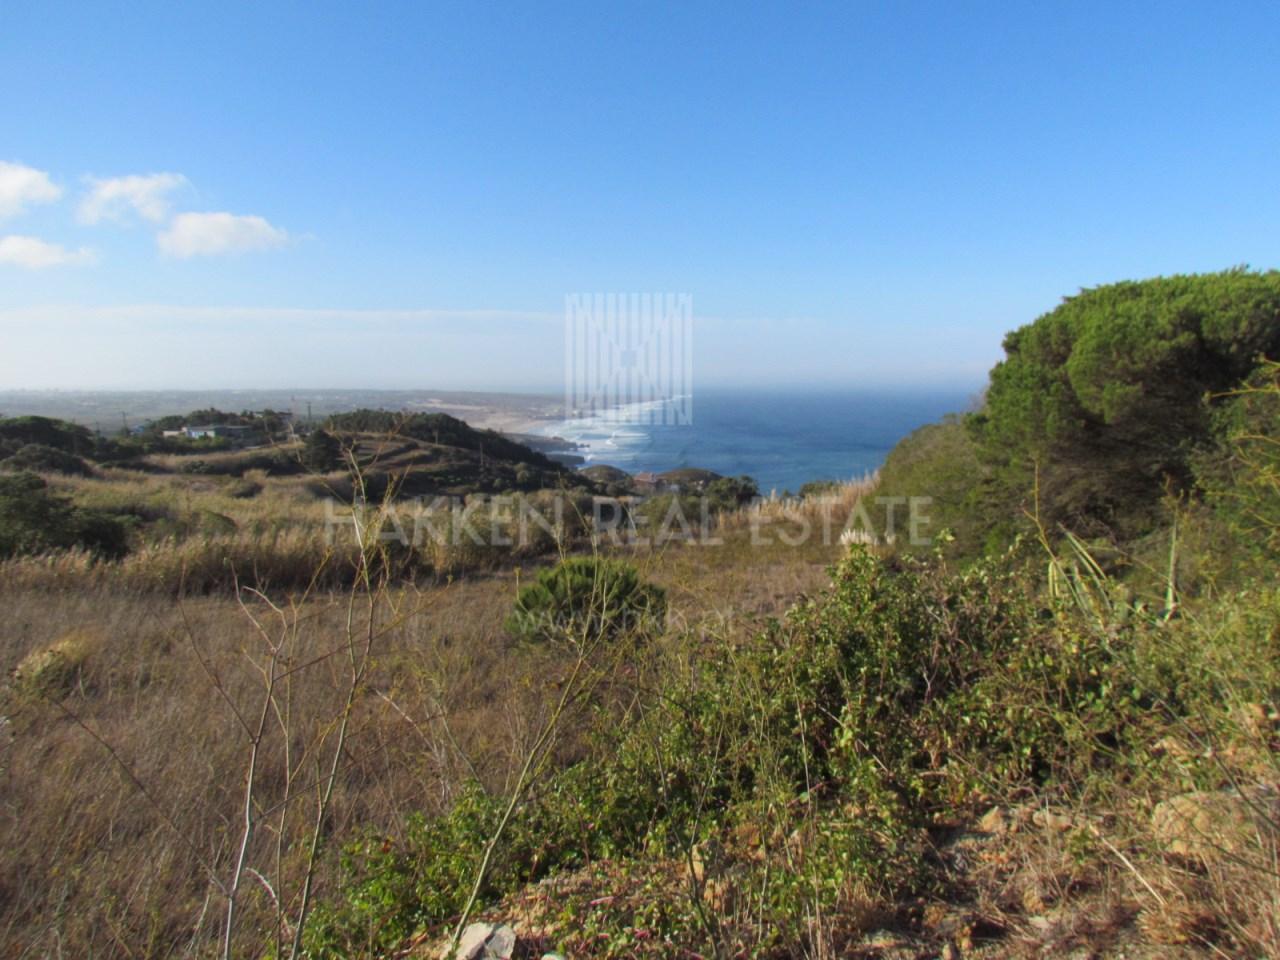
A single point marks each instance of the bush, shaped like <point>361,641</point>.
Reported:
<point>39,458</point>
<point>939,461</point>
<point>819,488</point>
<point>1099,404</point>
<point>273,463</point>
<point>46,431</point>
<point>1242,477</point>
<point>321,453</point>
<point>586,598</point>
<point>729,493</point>
<point>804,769</point>
<point>51,671</point>
<point>391,890</point>
<point>103,535</point>
<point>33,520</point>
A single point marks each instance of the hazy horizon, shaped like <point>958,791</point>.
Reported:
<point>137,349</point>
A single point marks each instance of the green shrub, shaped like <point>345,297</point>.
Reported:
<point>393,888</point>
<point>46,431</point>
<point>390,888</point>
<point>242,489</point>
<point>102,534</point>
<point>210,523</point>
<point>1242,476</point>
<point>939,461</point>
<point>819,488</point>
<point>52,670</point>
<point>587,599</point>
<point>729,493</point>
<point>321,453</point>
<point>33,521</point>
<point>807,765</point>
<point>1099,404</point>
<point>39,458</point>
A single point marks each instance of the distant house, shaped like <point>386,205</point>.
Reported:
<point>216,430</point>
<point>646,482</point>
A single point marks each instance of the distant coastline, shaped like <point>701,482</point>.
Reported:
<point>782,439</point>
<point>492,410</point>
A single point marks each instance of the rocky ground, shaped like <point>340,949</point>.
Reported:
<point>1017,882</point>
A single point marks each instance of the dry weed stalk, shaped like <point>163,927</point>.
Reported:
<point>371,612</point>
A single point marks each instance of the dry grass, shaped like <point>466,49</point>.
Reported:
<point>199,535</point>
<point>123,777</point>
<point>287,561</point>
<point>121,793</point>
<point>122,790</point>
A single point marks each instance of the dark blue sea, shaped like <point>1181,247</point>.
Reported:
<point>782,439</point>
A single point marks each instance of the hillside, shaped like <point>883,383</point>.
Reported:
<point>179,514</point>
<point>1051,731</point>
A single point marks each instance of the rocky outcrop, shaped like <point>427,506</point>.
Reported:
<point>1205,826</point>
<point>484,941</point>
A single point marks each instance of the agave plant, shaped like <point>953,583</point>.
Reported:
<point>587,598</point>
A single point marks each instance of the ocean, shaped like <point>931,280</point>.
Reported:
<point>782,439</point>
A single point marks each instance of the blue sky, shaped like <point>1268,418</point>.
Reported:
<point>401,195</point>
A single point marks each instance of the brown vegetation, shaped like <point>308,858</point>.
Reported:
<point>127,752</point>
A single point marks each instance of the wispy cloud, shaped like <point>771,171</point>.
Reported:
<point>212,234</point>
<point>22,187</point>
<point>32,253</point>
<point>120,198</point>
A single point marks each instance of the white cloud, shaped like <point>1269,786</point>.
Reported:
<point>21,187</point>
<point>209,234</point>
<point>117,198</point>
<point>32,253</point>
